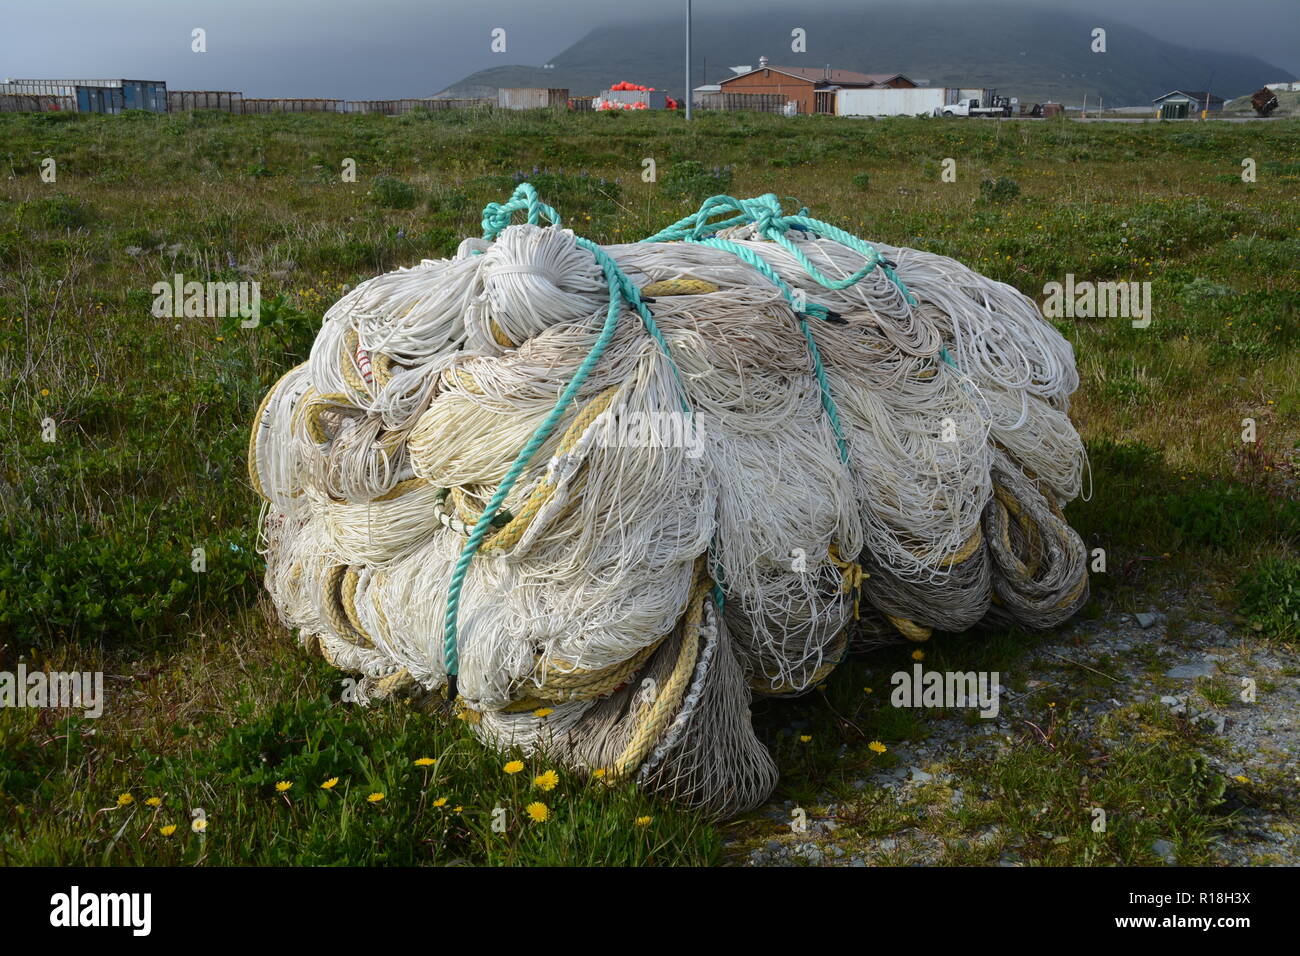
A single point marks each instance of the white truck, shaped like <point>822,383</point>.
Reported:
<point>978,103</point>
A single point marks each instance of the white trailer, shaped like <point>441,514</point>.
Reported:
<point>889,102</point>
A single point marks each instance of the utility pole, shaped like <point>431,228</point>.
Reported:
<point>689,95</point>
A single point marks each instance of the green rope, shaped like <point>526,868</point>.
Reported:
<point>497,216</point>
<point>765,213</point>
<point>701,228</point>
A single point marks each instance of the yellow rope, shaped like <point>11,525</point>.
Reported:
<point>508,536</point>
<point>668,701</point>
<point>909,629</point>
<point>852,575</point>
<point>678,287</point>
<point>499,335</point>
<point>335,609</point>
<point>253,476</point>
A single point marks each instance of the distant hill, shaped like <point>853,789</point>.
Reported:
<point>1034,53</point>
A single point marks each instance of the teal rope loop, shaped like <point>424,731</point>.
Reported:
<point>497,216</point>
<point>765,213</point>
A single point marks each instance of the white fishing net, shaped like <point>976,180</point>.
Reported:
<point>588,623</point>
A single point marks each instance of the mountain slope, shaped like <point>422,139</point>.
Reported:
<point>1028,52</point>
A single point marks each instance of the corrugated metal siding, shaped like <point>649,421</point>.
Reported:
<point>293,106</point>
<point>225,100</point>
<point>99,99</point>
<point>98,96</point>
<point>531,98</point>
<point>144,95</point>
<point>889,101</point>
<point>36,103</point>
<point>653,99</point>
<point>762,102</point>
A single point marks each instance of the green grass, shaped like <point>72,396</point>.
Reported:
<point>212,703</point>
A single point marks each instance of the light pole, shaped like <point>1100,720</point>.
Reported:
<point>689,95</point>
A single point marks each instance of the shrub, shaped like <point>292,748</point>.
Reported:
<point>62,212</point>
<point>389,193</point>
<point>1270,597</point>
<point>691,179</point>
<point>1000,190</point>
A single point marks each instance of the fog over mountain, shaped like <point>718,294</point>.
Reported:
<point>392,48</point>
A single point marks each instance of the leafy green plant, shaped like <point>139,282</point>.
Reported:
<point>1270,597</point>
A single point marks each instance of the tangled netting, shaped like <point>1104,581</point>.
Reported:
<point>598,496</point>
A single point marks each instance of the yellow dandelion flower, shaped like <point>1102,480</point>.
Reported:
<point>643,821</point>
<point>168,830</point>
<point>1241,778</point>
<point>918,655</point>
<point>283,785</point>
<point>457,809</point>
<point>537,811</point>
<point>425,762</point>
<point>599,773</point>
<point>154,802</point>
<point>375,797</point>
<point>877,747</point>
<point>804,738</point>
<point>125,799</point>
<point>330,784</point>
<point>543,712</point>
<point>440,802</point>
<point>546,781</point>
<point>513,766</point>
<point>45,391</point>
<point>866,690</point>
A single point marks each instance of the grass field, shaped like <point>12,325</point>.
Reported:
<point>211,704</point>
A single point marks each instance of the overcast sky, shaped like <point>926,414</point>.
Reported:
<point>376,49</point>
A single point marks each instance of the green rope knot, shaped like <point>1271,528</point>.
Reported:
<point>714,215</point>
<point>497,216</point>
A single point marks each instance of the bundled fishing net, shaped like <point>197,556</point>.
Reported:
<point>599,496</point>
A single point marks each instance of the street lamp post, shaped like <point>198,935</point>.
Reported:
<point>689,94</point>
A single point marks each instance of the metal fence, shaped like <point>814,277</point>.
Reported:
<point>36,103</point>
<point>227,101</point>
<point>531,98</point>
<point>15,99</point>
<point>438,104</point>
<point>402,107</point>
<point>293,106</point>
<point>763,102</point>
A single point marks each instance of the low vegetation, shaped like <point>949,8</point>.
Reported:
<point>212,705</point>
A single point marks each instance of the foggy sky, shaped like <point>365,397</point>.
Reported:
<point>380,49</point>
